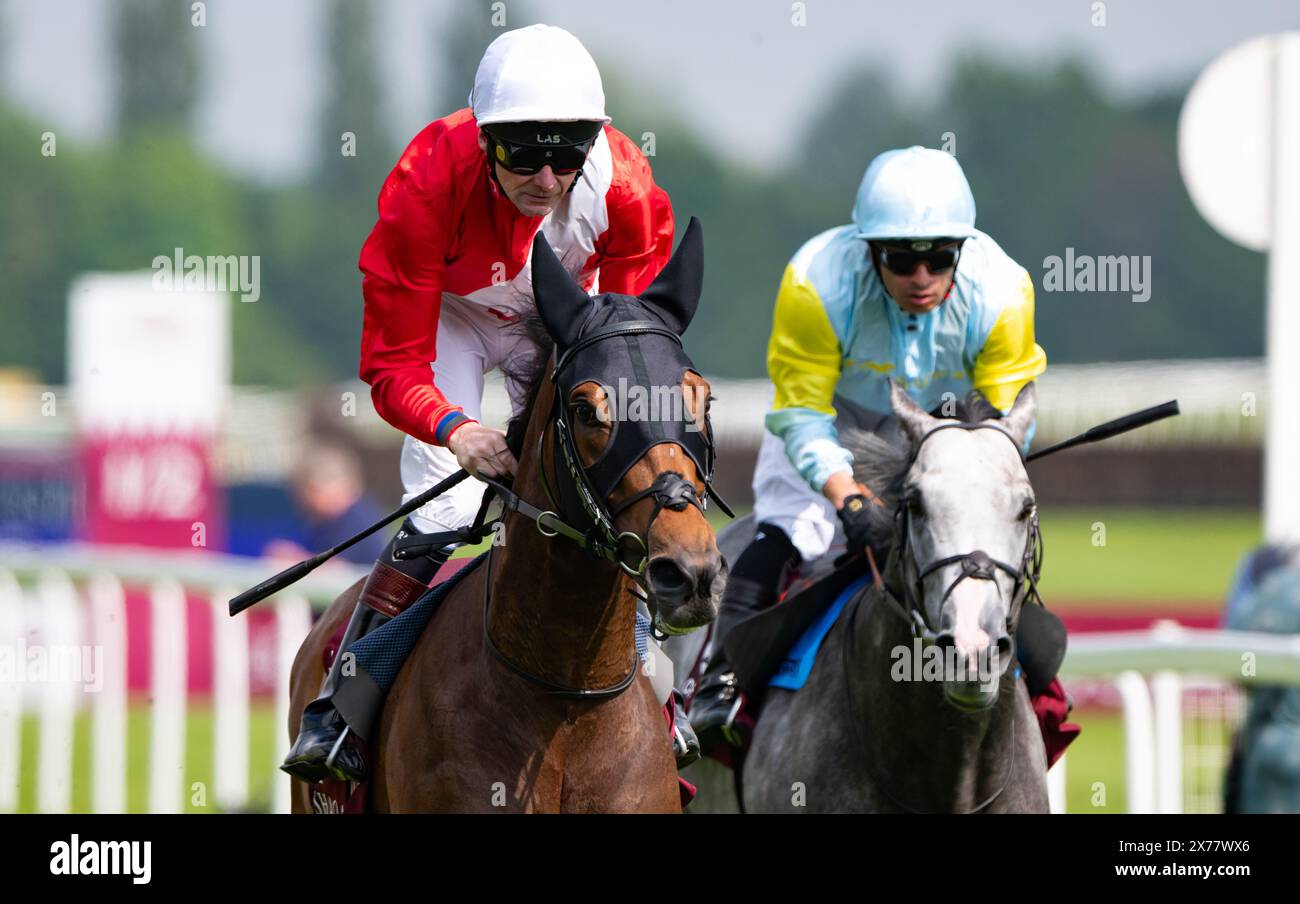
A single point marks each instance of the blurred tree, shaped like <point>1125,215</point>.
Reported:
<point>355,150</point>
<point>461,39</point>
<point>157,73</point>
<point>1055,162</point>
<point>4,37</point>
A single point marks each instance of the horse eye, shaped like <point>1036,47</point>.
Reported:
<point>586,413</point>
<point>1027,508</point>
<point>914,503</point>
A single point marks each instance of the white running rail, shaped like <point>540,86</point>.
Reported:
<point>73,599</point>
<point>1173,681</point>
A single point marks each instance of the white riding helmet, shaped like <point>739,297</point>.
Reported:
<point>537,74</point>
<point>914,192</point>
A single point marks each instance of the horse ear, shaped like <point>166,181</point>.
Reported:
<point>561,301</point>
<point>675,293</point>
<point>980,408</point>
<point>916,422</point>
<point>1022,413</point>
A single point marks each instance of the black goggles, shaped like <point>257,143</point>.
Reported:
<point>528,159</point>
<point>904,261</point>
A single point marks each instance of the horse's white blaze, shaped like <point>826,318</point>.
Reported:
<point>969,599</point>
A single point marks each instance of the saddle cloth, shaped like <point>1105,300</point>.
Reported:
<point>798,662</point>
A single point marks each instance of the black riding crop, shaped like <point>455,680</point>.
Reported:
<point>299,571</point>
<point>1111,428</point>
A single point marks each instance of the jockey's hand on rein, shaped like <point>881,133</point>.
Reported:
<point>857,517</point>
<point>482,451</point>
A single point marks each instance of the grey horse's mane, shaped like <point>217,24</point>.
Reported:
<point>882,457</point>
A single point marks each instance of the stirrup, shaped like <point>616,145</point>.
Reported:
<point>686,744</point>
<point>728,728</point>
<point>333,756</point>
<point>683,752</point>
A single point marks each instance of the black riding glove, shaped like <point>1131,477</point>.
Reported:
<point>856,517</point>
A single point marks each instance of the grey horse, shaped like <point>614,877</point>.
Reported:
<point>863,735</point>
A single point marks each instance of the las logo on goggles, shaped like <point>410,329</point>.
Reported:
<point>528,159</point>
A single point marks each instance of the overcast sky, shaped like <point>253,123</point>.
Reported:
<point>730,67</point>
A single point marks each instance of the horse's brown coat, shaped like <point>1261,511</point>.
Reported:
<point>462,733</point>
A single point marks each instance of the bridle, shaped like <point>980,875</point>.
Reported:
<point>576,496</point>
<point>575,500</point>
<point>976,564</point>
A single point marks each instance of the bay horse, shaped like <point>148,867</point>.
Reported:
<point>863,735</point>
<point>524,693</point>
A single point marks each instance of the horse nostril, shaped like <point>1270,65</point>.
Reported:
<point>1006,648</point>
<point>668,579</point>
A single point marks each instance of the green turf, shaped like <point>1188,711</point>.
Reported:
<point>198,761</point>
<point>1094,765</point>
<point>1169,556</point>
<point>1178,558</point>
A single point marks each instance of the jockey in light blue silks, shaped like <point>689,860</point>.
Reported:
<point>909,290</point>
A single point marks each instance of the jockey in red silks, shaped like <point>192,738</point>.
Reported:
<point>447,278</point>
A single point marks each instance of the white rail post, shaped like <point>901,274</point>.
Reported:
<point>1167,692</point>
<point>11,694</point>
<point>1056,787</point>
<point>292,623</point>
<point>229,703</point>
<point>1139,743</point>
<point>167,719</point>
<point>108,706</point>
<point>61,638</point>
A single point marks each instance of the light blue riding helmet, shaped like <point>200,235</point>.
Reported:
<point>914,192</point>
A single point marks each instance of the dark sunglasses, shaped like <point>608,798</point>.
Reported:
<point>528,159</point>
<point>904,262</point>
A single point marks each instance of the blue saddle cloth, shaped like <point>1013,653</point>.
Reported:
<point>382,652</point>
<point>798,663</point>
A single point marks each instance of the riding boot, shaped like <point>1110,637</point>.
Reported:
<point>322,727</point>
<point>325,745</point>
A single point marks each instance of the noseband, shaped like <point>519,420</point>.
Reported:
<point>976,564</point>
